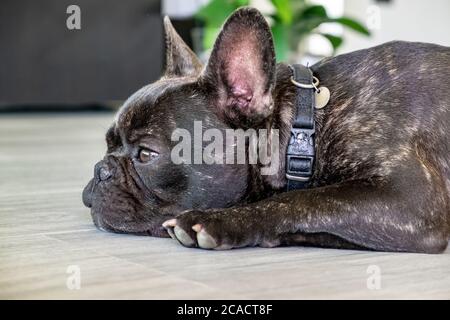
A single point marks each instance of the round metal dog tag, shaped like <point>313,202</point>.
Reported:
<point>322,97</point>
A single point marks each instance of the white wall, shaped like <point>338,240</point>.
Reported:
<point>181,8</point>
<point>411,20</point>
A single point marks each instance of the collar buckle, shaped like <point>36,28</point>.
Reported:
<point>300,153</point>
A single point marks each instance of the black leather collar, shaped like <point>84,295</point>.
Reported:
<point>300,155</point>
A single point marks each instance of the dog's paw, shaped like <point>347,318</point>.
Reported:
<point>219,230</point>
<point>198,229</point>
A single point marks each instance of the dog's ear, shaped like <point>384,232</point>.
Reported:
<point>241,68</point>
<point>180,60</point>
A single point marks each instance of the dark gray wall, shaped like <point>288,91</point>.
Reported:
<point>118,49</point>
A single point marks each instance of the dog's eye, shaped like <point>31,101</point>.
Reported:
<point>146,155</point>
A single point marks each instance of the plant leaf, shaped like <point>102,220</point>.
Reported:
<point>284,11</point>
<point>308,24</point>
<point>215,12</point>
<point>280,34</point>
<point>352,24</point>
<point>313,11</point>
<point>209,37</point>
<point>335,41</point>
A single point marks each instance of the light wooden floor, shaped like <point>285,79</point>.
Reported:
<point>44,228</point>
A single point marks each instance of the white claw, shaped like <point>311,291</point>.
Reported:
<point>205,241</point>
<point>171,234</point>
<point>183,237</point>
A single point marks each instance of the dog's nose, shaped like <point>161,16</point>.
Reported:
<point>87,194</point>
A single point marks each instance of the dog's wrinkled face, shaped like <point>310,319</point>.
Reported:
<point>137,186</point>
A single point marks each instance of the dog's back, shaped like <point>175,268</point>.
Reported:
<point>388,103</point>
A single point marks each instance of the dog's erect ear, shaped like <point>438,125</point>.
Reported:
<point>180,60</point>
<point>241,69</point>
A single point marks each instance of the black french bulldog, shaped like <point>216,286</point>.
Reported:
<point>382,173</point>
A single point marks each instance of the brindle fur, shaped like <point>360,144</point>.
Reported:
<point>382,171</point>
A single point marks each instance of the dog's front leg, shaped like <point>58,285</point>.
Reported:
<point>388,216</point>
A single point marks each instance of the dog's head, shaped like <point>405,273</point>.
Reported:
<point>137,185</point>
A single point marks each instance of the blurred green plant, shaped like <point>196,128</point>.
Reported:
<point>291,22</point>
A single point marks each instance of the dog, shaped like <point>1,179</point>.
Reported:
<point>381,177</point>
